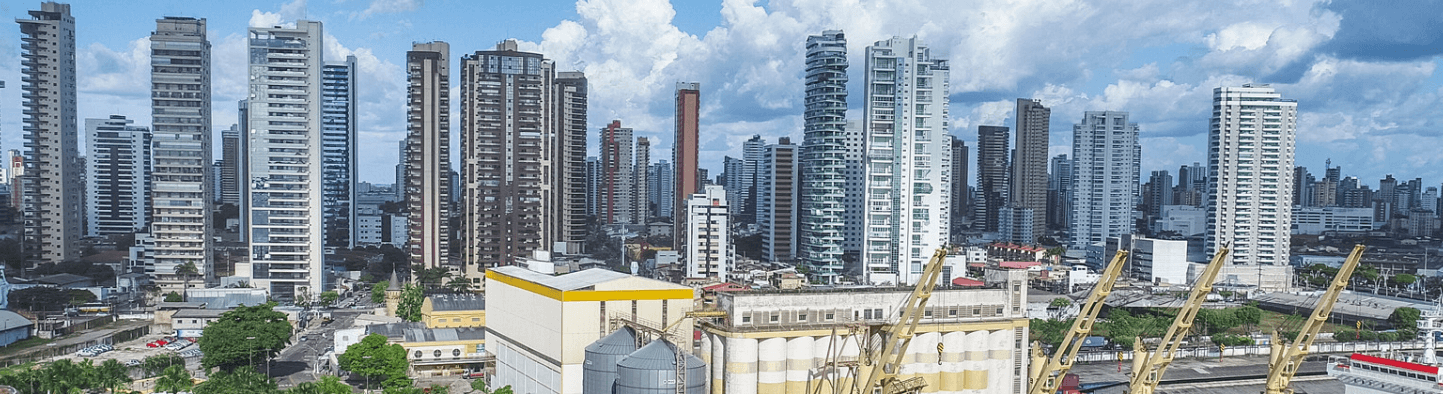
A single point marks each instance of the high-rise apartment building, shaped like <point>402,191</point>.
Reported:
<point>640,207</point>
<point>733,171</point>
<point>230,162</point>
<point>855,190</point>
<point>181,129</point>
<point>50,187</point>
<point>522,171</point>
<point>617,185</point>
<point>567,228</point>
<point>283,194</point>
<point>688,176</point>
<point>117,158</point>
<point>960,194</point>
<point>824,162</point>
<point>1251,158</point>
<point>708,232</point>
<point>1156,194</point>
<point>992,167</point>
<point>908,160</point>
<point>661,189</point>
<point>428,153</point>
<point>593,187</point>
<point>1059,192</point>
<point>1027,198</point>
<point>1107,160</point>
<point>1192,180</point>
<point>338,152</point>
<point>753,152</point>
<point>778,179</point>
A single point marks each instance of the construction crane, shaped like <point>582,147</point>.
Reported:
<point>1045,380</point>
<point>897,336</point>
<point>1147,374</point>
<point>1286,360</point>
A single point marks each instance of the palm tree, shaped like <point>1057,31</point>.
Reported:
<point>175,379</point>
<point>459,284</point>
<point>187,272</point>
<point>111,374</point>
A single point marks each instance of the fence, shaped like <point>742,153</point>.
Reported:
<point>41,353</point>
<point>1258,350</point>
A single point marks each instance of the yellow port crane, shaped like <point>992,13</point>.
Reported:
<point>897,336</point>
<point>1147,374</point>
<point>1285,361</point>
<point>1048,375</point>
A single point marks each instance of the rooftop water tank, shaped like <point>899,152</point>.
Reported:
<point>598,371</point>
<point>652,370</point>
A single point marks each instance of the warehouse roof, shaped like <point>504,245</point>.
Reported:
<point>572,281</point>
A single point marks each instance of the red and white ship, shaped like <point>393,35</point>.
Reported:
<point>1413,374</point>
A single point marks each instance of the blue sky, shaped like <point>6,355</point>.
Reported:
<point>1366,77</point>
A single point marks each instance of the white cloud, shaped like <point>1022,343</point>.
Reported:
<point>387,7</point>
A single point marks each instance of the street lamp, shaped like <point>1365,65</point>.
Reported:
<point>368,376</point>
<point>253,360</point>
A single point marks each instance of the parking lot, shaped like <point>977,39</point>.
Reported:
<point>135,350</point>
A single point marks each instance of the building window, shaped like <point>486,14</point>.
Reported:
<point>774,318</point>
<point>801,317</point>
<point>746,319</point>
<point>831,316</point>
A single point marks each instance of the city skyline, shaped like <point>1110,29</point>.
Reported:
<point>1162,75</point>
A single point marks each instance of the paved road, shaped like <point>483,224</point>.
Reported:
<point>297,362</point>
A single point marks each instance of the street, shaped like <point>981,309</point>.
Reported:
<point>297,363</point>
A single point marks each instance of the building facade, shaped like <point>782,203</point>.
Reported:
<point>1107,160</point>
<point>520,124</point>
<point>969,341</point>
<point>908,160</point>
<point>428,154</point>
<point>1059,193</point>
<point>616,175</point>
<point>1251,139</point>
<point>181,126</point>
<point>778,178</point>
<point>538,326</point>
<point>1027,197</point>
<point>283,192</point>
<point>338,152</point>
<point>961,194</point>
<point>708,229</point>
<point>50,186</point>
<point>661,189</point>
<point>118,166</point>
<point>641,181</point>
<point>230,162</point>
<point>687,180</point>
<point>824,163</point>
<point>992,168</point>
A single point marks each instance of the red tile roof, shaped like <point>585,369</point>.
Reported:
<point>965,282</point>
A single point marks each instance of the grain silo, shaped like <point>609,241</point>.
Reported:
<point>599,370</point>
<point>653,370</point>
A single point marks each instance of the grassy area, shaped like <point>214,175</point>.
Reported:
<point>20,346</point>
<point>1281,321</point>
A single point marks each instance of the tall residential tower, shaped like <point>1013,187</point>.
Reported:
<point>1250,160</point>
<point>1107,160</point>
<point>428,153</point>
<point>823,158</point>
<point>908,160</point>
<point>117,164</point>
<point>338,152</point>
<point>50,187</point>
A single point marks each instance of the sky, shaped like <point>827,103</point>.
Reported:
<point>1366,77</point>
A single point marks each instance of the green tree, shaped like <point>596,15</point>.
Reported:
<point>409,307</point>
<point>1404,280</point>
<point>111,374</point>
<point>173,297</point>
<point>375,359</point>
<point>1231,340</point>
<point>1405,320</point>
<point>1050,331</point>
<point>459,284</point>
<point>430,278</point>
<point>329,297</point>
<point>244,334</point>
<point>238,381</point>
<point>1249,315</point>
<point>39,299</point>
<point>65,377</point>
<point>187,272</point>
<point>154,365</point>
<point>332,385</point>
<point>173,380</point>
<point>479,385</point>
<point>378,291</point>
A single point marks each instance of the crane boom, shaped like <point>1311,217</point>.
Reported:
<point>1285,363</point>
<point>1146,375</point>
<point>1047,377</point>
<point>898,336</point>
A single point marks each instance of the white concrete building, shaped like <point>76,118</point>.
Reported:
<point>117,164</point>
<point>708,235</point>
<point>1316,220</point>
<point>908,157</point>
<point>1159,261</point>
<point>181,121</point>
<point>775,342</point>
<point>538,326</point>
<point>1185,220</point>
<point>283,196</point>
<point>1250,154</point>
<point>1106,161</point>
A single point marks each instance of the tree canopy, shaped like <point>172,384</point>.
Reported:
<point>244,334</point>
<point>1405,320</point>
<point>409,308</point>
<point>173,380</point>
<point>40,298</point>
<point>378,291</point>
<point>329,297</point>
<point>238,381</point>
<point>379,361</point>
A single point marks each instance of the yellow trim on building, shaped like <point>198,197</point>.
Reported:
<point>590,295</point>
